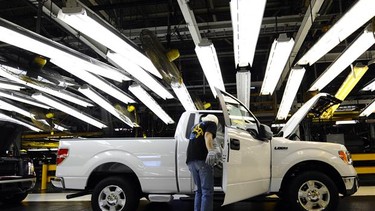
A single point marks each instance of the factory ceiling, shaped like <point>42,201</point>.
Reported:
<point>164,18</point>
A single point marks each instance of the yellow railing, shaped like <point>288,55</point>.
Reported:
<point>364,157</point>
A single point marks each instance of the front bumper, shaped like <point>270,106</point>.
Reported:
<point>9,184</point>
<point>351,185</point>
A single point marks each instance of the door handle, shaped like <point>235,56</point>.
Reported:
<point>235,144</point>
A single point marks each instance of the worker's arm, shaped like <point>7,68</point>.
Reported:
<point>208,137</point>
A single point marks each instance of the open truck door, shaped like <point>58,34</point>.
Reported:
<point>247,152</point>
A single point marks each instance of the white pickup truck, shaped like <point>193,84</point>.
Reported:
<point>119,171</point>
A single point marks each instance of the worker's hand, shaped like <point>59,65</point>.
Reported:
<point>212,158</point>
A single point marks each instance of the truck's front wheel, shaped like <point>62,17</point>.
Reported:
<point>313,191</point>
<point>114,193</point>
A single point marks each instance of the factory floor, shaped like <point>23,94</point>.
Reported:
<point>363,200</point>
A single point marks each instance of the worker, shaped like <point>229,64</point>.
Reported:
<point>201,158</point>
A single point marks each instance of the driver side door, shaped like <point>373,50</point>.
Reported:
<point>246,158</point>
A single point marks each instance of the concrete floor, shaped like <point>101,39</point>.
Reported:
<point>363,200</point>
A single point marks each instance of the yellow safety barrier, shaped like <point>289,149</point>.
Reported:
<point>364,157</point>
<point>45,177</point>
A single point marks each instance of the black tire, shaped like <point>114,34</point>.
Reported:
<point>116,193</point>
<point>14,199</point>
<point>312,191</point>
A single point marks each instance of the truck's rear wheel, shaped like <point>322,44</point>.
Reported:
<point>313,191</point>
<point>114,194</point>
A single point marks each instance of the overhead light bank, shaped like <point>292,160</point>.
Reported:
<point>351,53</point>
<point>47,88</point>
<point>28,40</point>
<point>361,12</point>
<point>87,22</point>
<point>58,104</point>
<point>104,103</point>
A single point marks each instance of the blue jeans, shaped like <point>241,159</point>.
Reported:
<point>203,175</point>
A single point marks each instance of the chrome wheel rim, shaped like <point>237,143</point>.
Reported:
<point>112,198</point>
<point>313,195</point>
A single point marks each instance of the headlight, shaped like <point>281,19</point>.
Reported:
<point>346,157</point>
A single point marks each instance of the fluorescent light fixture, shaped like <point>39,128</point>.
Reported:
<point>141,75</point>
<point>346,122</point>
<point>207,57</point>
<point>346,87</point>
<point>28,40</point>
<point>57,104</point>
<point>190,21</point>
<point>279,54</point>
<point>95,80</point>
<point>184,97</point>
<point>243,84</point>
<point>9,85</point>
<point>368,110</point>
<point>104,103</point>
<point>361,12</point>
<point>93,26</point>
<point>10,106</point>
<point>23,98</point>
<point>146,99</point>
<point>44,87</point>
<point>355,50</point>
<point>247,18</point>
<point>370,86</point>
<point>59,127</point>
<point>6,118</point>
<point>290,92</point>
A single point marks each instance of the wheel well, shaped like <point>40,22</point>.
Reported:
<point>314,166</point>
<point>112,169</point>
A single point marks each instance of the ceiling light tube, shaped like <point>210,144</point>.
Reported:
<point>290,92</point>
<point>95,81</point>
<point>104,103</point>
<point>11,106</point>
<point>141,75</point>
<point>44,87</point>
<point>57,104</point>
<point>279,54</point>
<point>361,12</point>
<point>243,84</point>
<point>370,86</point>
<point>93,26</point>
<point>247,18</point>
<point>4,117</point>
<point>346,122</point>
<point>10,85</point>
<point>207,57</point>
<point>368,110</point>
<point>184,97</point>
<point>351,53</point>
<point>146,99</point>
<point>28,40</point>
<point>23,98</point>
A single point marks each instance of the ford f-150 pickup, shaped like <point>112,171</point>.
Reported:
<point>119,171</point>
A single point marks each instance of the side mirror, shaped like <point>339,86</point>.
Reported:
<point>265,132</point>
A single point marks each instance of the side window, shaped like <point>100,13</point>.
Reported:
<point>240,117</point>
